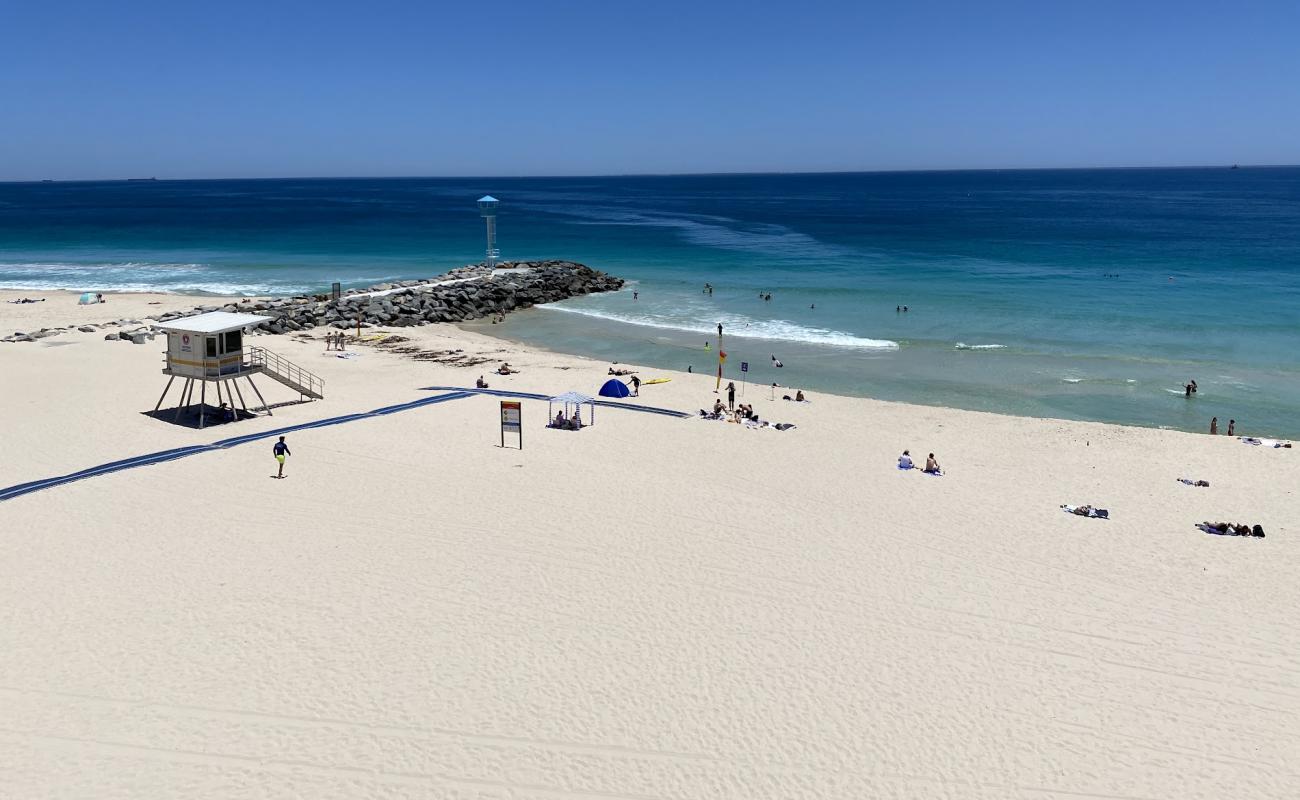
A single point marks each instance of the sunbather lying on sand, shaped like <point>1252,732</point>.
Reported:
<point>613,371</point>
<point>1229,529</point>
<point>1087,511</point>
<point>1191,482</point>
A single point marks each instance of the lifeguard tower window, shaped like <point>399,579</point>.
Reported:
<point>234,341</point>
<point>211,346</point>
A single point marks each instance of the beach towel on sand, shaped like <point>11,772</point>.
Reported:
<point>1266,442</point>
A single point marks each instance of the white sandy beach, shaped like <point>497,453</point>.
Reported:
<point>648,608</point>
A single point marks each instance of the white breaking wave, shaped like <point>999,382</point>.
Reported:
<point>964,346</point>
<point>739,326</point>
<point>131,277</point>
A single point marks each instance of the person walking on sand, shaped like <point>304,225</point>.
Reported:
<point>636,386</point>
<point>1214,426</point>
<point>280,450</point>
<point>731,396</point>
<point>1232,426</point>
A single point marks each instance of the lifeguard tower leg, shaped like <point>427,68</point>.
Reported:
<point>180,409</point>
<point>161,397</point>
<point>265,407</point>
<point>203,401</point>
<point>235,383</point>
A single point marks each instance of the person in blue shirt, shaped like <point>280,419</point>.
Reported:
<point>281,450</point>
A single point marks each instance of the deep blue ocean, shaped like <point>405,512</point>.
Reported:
<point>1083,294</point>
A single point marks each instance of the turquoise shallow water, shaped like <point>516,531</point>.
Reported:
<point>1085,294</point>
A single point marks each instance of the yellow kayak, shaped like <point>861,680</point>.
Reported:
<point>655,380</point>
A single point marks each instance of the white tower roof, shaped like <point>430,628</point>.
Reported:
<point>214,322</point>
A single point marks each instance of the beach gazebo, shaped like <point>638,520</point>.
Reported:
<point>574,401</point>
<point>209,348</point>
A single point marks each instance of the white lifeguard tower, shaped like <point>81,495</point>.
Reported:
<point>209,348</point>
<point>487,207</point>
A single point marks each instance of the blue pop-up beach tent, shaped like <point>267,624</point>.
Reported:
<point>613,388</point>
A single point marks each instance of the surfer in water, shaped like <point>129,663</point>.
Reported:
<point>776,362</point>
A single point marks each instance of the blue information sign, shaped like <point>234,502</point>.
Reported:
<point>744,366</point>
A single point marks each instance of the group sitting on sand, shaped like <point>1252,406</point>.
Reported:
<point>743,414</point>
<point>1229,529</point>
<point>931,463</point>
<point>566,423</point>
<point>26,300</point>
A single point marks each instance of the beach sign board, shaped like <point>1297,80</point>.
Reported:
<point>186,347</point>
<point>512,420</point>
<point>744,366</point>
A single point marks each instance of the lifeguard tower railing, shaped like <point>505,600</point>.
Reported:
<point>249,361</point>
<point>286,372</point>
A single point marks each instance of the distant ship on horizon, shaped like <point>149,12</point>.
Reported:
<point>138,180</point>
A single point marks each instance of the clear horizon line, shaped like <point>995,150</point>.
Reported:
<point>737,173</point>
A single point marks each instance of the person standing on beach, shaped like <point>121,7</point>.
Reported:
<point>280,450</point>
<point>1232,426</point>
<point>1214,426</point>
<point>731,396</point>
<point>636,386</point>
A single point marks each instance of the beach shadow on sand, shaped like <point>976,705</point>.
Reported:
<point>189,418</point>
<point>212,415</point>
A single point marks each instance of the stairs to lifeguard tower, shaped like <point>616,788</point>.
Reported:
<point>282,370</point>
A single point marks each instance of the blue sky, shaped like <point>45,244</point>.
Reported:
<point>232,89</point>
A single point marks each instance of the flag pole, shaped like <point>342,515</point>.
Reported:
<point>721,357</point>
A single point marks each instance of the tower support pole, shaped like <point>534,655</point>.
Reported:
<point>166,389</point>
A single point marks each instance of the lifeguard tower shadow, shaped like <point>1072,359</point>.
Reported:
<point>209,348</point>
<point>212,415</point>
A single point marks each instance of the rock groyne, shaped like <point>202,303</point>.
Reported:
<point>466,293</point>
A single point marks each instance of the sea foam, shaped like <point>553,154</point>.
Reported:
<point>133,277</point>
<point>738,326</point>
